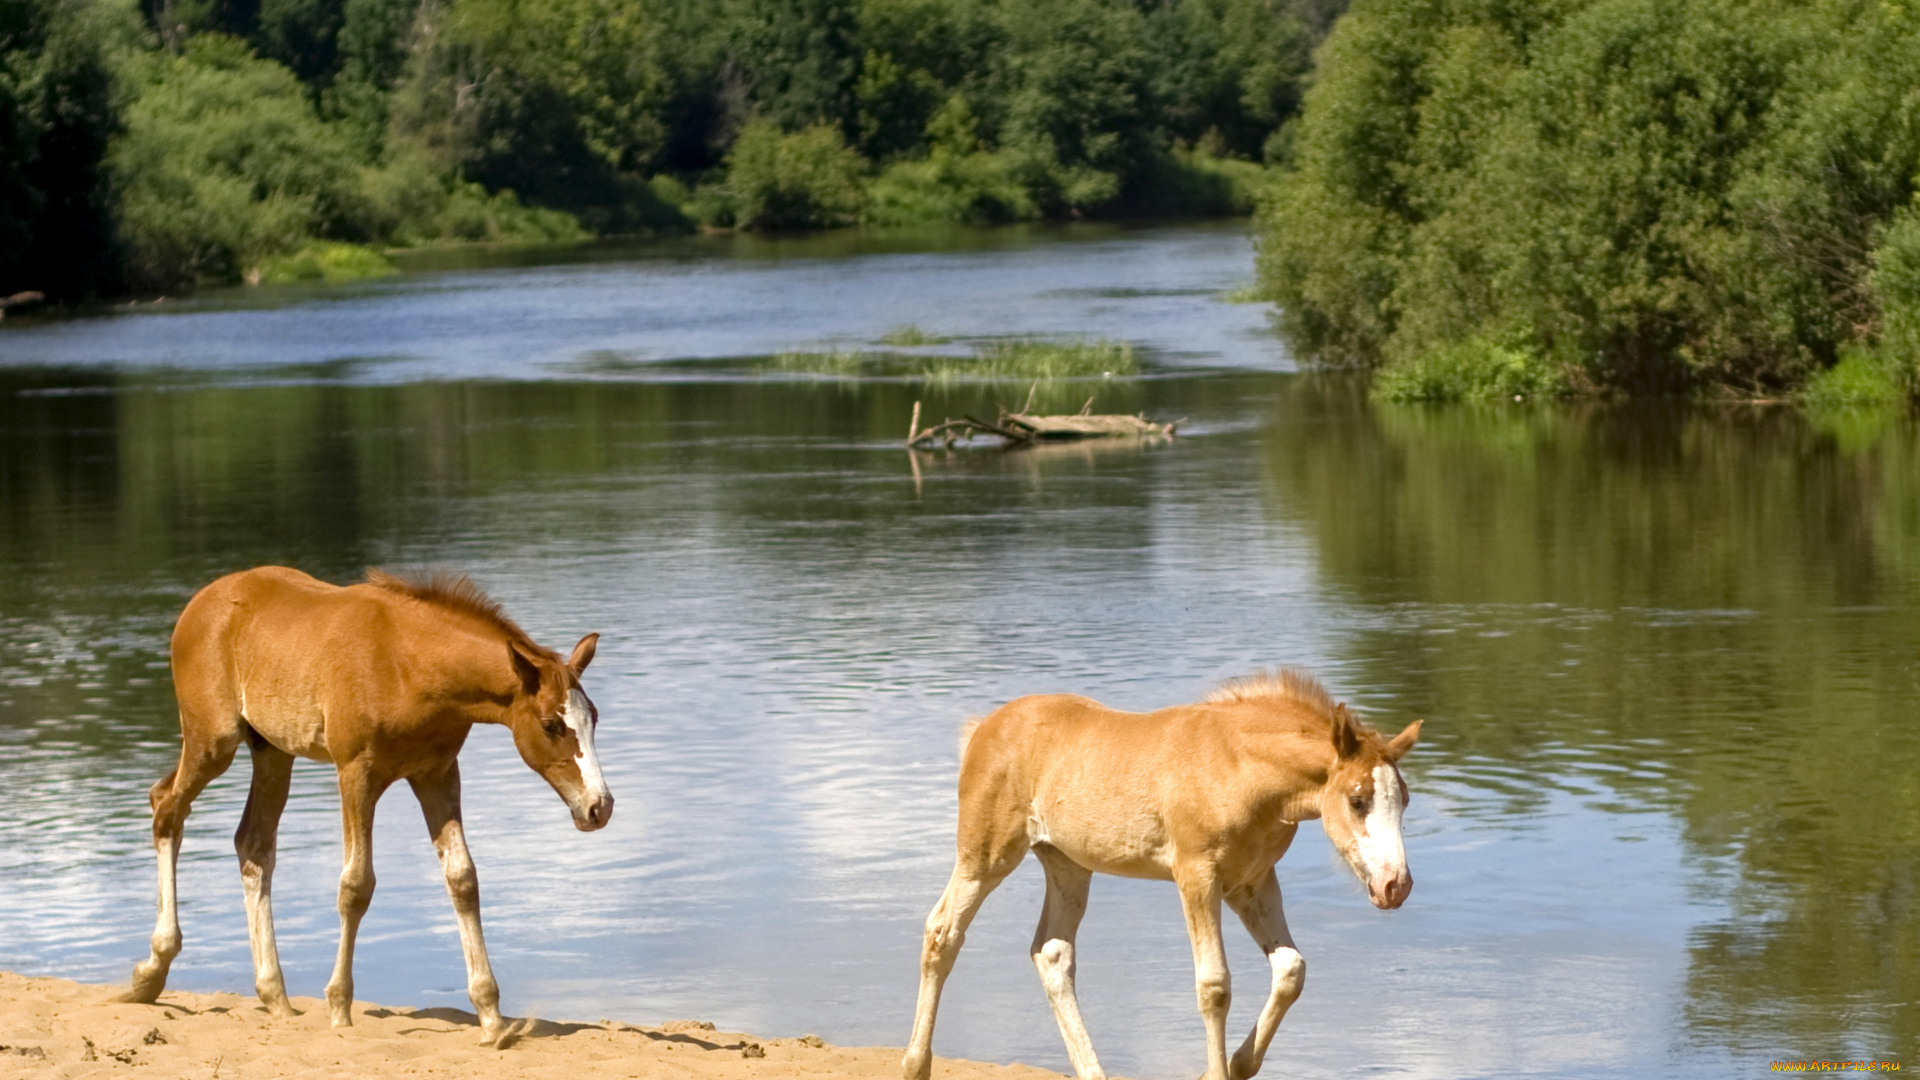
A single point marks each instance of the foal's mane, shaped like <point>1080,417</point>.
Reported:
<point>1288,684</point>
<point>457,593</point>
<point>1298,687</point>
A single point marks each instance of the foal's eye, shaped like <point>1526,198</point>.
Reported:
<point>1359,805</point>
<point>553,728</point>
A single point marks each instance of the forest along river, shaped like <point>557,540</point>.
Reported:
<point>1665,812</point>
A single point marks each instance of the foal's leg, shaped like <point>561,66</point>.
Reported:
<point>201,759</point>
<point>946,932</point>
<point>255,843</point>
<point>359,790</point>
<point>1200,898</point>
<point>1060,914</point>
<point>1259,908</point>
<point>439,796</point>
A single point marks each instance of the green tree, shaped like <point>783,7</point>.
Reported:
<point>797,60</point>
<point>1075,103</point>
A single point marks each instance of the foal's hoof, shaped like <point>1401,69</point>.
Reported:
<point>146,986</point>
<point>501,1033</point>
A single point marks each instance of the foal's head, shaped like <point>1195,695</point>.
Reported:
<point>1360,806</point>
<point>553,726</point>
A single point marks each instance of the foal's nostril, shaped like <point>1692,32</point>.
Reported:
<point>1395,891</point>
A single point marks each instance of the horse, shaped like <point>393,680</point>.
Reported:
<point>383,679</point>
<point>1207,795</point>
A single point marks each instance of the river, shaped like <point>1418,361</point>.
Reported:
<point>1666,808</point>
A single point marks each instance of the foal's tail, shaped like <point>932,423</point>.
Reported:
<point>966,733</point>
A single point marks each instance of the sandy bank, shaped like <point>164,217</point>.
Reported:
<point>54,1028</point>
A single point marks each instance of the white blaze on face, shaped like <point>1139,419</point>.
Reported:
<point>579,717</point>
<point>1380,847</point>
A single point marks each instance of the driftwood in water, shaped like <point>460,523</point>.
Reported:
<point>1024,428</point>
<point>19,300</point>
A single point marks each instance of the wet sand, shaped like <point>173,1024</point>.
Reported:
<point>55,1028</point>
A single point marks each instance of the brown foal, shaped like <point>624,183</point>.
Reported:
<point>382,679</point>
<point>1208,796</point>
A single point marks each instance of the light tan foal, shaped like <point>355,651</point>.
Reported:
<point>1207,796</point>
<point>383,680</point>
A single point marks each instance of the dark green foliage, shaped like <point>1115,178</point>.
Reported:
<point>1644,194</point>
<point>302,34</point>
<point>57,114</point>
<point>1074,99</point>
<point>1234,69</point>
<point>372,48</point>
<point>797,59</point>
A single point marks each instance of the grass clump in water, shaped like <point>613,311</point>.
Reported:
<point>1001,361</point>
<point>910,335</point>
<point>1039,360</point>
<point>842,363</point>
<point>1474,370</point>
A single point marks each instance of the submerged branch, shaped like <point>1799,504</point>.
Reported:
<point>1024,428</point>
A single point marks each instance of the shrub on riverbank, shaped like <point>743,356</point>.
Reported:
<point>1863,377</point>
<point>1668,195</point>
<point>329,262</point>
<point>1476,370</point>
<point>808,179</point>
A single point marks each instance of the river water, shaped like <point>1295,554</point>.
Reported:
<point>1666,810</point>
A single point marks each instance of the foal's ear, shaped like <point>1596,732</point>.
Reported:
<point>1346,737</point>
<point>583,654</point>
<point>1403,742</point>
<point>524,667</point>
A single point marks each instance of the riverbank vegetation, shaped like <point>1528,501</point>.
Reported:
<point>150,144</point>
<point>1615,196</point>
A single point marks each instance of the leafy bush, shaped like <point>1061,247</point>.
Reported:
<point>1896,284</point>
<point>1478,370</point>
<point>329,262</point>
<point>223,164</point>
<point>979,189</point>
<point>1194,183</point>
<point>780,181</point>
<point>1863,377</point>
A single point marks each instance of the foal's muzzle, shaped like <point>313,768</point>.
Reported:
<point>1389,891</point>
<point>595,814</point>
